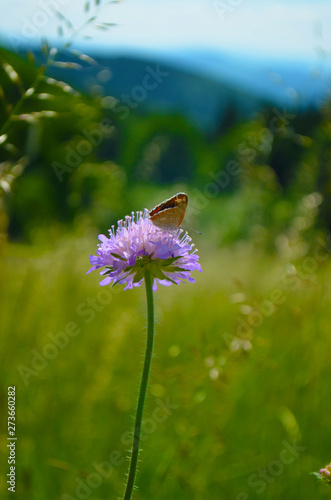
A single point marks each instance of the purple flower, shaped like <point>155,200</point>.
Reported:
<point>137,244</point>
<point>325,473</point>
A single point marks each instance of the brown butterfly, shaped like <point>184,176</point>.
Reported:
<point>170,213</point>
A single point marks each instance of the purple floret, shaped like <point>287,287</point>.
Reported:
<point>137,243</point>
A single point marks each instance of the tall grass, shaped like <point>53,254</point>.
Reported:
<point>229,407</point>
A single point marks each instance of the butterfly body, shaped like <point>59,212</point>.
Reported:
<point>169,214</point>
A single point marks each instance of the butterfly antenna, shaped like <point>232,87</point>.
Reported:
<point>191,229</point>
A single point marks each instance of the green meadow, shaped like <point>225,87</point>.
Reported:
<point>238,404</point>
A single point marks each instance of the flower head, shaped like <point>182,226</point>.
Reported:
<point>325,473</point>
<point>137,244</point>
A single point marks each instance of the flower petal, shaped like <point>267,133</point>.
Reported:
<point>137,244</point>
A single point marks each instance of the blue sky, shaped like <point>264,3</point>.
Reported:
<point>275,28</point>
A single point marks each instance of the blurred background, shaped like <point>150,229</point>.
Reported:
<point>110,107</point>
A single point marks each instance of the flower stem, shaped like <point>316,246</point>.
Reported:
<point>143,386</point>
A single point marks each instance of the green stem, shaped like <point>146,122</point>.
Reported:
<point>143,386</point>
<point>5,126</point>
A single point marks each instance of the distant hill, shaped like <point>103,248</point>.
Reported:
<point>209,88</point>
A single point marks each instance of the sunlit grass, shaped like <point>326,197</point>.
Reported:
<point>229,407</point>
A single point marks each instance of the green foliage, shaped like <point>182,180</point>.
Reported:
<point>50,133</point>
<point>235,395</point>
<point>266,180</point>
<point>261,191</point>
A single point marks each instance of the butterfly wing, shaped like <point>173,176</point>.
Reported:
<point>170,214</point>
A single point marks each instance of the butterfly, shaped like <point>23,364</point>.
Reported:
<point>169,214</point>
